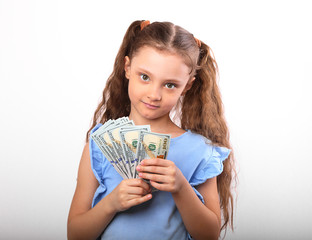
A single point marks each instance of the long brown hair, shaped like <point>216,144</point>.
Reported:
<point>200,110</point>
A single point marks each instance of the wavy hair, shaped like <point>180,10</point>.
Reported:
<point>199,110</point>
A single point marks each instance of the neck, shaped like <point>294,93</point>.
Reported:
<point>159,125</point>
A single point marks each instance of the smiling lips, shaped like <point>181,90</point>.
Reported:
<point>150,106</point>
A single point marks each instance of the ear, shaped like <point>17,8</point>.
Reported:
<point>188,86</point>
<point>127,67</point>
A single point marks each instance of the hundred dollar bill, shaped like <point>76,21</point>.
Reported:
<point>95,134</point>
<point>152,145</point>
<point>125,145</point>
<point>101,130</point>
<point>129,141</point>
<point>114,136</point>
<point>109,124</point>
<point>108,145</point>
<point>103,141</point>
<point>105,152</point>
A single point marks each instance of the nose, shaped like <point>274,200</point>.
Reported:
<point>154,93</point>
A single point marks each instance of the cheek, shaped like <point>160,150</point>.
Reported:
<point>132,90</point>
<point>172,100</point>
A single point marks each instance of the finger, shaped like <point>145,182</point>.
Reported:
<point>139,200</point>
<point>156,161</point>
<point>129,200</point>
<point>151,169</point>
<point>154,177</point>
<point>139,191</point>
<point>160,186</point>
<point>136,182</point>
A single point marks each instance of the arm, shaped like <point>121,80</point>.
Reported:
<point>202,221</point>
<point>85,222</point>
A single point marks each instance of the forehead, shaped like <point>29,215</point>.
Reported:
<point>161,62</point>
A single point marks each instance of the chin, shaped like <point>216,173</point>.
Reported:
<point>149,117</point>
<point>154,117</point>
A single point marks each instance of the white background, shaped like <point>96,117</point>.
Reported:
<point>55,57</point>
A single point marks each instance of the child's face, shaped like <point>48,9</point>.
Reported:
<point>156,81</point>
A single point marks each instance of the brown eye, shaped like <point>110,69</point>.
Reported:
<point>144,77</point>
<point>170,85</point>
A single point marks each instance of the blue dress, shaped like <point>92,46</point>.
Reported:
<point>159,217</point>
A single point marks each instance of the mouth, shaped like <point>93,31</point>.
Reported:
<point>150,106</point>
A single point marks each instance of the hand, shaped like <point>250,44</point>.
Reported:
<point>130,192</point>
<point>162,173</point>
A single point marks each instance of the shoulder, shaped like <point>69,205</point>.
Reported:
<point>95,152</point>
<point>198,154</point>
<point>198,138</point>
<point>206,146</point>
<point>193,141</point>
<point>96,156</point>
<point>96,127</point>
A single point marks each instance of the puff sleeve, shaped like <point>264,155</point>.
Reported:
<point>97,162</point>
<point>209,167</point>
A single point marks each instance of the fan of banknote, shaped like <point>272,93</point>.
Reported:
<point>125,145</point>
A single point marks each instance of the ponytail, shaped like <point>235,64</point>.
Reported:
<point>202,112</point>
<point>204,96</point>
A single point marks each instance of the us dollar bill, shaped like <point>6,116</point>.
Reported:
<point>102,146</point>
<point>108,146</point>
<point>109,124</point>
<point>152,145</point>
<point>101,129</point>
<point>115,140</point>
<point>129,140</point>
<point>125,145</point>
<point>102,139</point>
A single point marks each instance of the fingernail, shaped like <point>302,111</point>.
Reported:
<point>140,174</point>
<point>138,168</point>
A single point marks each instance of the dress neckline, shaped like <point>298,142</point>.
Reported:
<point>180,136</point>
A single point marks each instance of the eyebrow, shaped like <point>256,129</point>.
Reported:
<point>145,71</point>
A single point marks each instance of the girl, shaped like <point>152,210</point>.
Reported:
<point>160,69</point>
